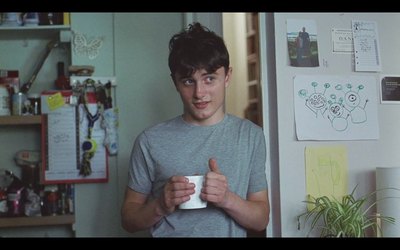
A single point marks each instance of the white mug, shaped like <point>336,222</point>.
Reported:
<point>195,200</point>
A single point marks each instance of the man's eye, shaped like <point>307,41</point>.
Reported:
<point>187,82</point>
<point>209,79</point>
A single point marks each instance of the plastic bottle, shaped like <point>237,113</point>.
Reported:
<point>15,196</point>
<point>18,100</point>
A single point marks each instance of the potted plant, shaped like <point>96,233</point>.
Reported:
<point>346,218</point>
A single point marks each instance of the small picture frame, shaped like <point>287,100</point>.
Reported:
<point>390,89</point>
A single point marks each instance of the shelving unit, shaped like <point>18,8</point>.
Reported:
<point>30,124</point>
<point>38,27</point>
<point>34,32</point>
<point>20,120</point>
<point>253,111</point>
<point>37,221</point>
<point>8,222</point>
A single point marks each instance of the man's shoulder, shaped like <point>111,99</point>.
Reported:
<point>157,130</point>
<point>243,122</point>
<point>161,126</point>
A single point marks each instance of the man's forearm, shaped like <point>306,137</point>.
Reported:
<point>137,217</point>
<point>250,214</point>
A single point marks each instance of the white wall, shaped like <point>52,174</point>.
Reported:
<point>135,50</point>
<point>96,204</point>
<point>363,156</point>
<point>146,93</point>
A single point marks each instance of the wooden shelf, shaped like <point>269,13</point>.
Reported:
<point>253,100</point>
<point>37,221</point>
<point>39,27</point>
<point>253,83</point>
<point>252,58</point>
<point>253,111</point>
<point>34,32</point>
<point>251,33</point>
<point>21,120</point>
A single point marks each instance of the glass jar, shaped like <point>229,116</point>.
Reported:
<point>34,99</point>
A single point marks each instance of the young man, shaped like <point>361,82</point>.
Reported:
<point>229,151</point>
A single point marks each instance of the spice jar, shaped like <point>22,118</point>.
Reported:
<point>34,99</point>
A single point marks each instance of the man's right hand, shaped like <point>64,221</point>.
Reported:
<point>176,191</point>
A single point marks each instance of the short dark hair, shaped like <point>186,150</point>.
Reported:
<point>197,48</point>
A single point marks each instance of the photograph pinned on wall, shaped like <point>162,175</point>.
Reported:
<point>390,89</point>
<point>302,43</point>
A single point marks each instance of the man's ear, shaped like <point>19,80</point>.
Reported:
<point>228,77</point>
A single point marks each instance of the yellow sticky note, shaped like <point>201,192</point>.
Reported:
<point>55,101</point>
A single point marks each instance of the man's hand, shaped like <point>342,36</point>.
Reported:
<point>176,191</point>
<point>215,187</point>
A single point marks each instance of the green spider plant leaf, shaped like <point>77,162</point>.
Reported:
<point>346,217</point>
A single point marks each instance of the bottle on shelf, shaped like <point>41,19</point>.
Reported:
<point>15,196</point>
<point>62,82</point>
<point>51,199</point>
<point>18,102</point>
<point>34,102</point>
<point>62,199</point>
<point>70,198</point>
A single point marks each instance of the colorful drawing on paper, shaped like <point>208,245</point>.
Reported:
<point>335,108</point>
<point>326,171</point>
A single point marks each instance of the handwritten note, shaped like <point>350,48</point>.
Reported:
<point>65,131</point>
<point>366,46</point>
<point>62,143</point>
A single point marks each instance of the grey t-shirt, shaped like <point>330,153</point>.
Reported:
<point>175,147</point>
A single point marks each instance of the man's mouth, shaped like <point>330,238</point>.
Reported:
<point>201,105</point>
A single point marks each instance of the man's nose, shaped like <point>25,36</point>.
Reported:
<point>200,89</point>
